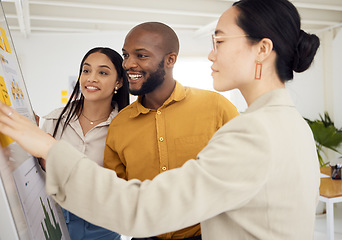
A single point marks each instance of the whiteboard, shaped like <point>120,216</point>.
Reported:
<point>27,212</point>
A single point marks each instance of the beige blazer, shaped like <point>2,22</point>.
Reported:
<point>258,178</point>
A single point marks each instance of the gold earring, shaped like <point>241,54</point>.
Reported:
<point>116,90</point>
<point>258,70</point>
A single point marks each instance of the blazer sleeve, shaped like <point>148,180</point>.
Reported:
<point>229,172</point>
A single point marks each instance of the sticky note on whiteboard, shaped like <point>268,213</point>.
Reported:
<point>5,140</point>
<point>3,92</point>
<point>5,40</point>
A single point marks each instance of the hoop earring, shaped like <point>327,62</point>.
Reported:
<point>116,90</point>
<point>258,70</point>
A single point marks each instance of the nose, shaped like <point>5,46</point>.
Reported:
<point>92,78</point>
<point>129,63</point>
<point>211,56</point>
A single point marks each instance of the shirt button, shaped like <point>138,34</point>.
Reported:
<point>158,112</point>
<point>164,168</point>
<point>161,139</point>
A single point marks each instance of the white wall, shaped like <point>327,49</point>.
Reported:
<point>48,61</point>
<point>307,89</point>
<point>337,79</point>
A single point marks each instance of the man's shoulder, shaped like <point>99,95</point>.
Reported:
<point>211,101</point>
<point>204,94</point>
<point>126,112</point>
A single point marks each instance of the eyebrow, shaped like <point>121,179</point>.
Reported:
<point>140,49</point>
<point>218,31</point>
<point>105,66</point>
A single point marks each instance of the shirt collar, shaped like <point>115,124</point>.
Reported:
<point>277,97</point>
<point>178,94</point>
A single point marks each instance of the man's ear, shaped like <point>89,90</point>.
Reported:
<point>265,48</point>
<point>170,60</point>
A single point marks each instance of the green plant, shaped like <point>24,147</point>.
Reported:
<point>326,135</point>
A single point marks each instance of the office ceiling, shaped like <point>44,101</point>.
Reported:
<point>199,16</point>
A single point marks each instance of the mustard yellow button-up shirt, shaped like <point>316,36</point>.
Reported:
<point>141,142</point>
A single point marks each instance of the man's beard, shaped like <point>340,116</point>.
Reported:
<point>152,82</point>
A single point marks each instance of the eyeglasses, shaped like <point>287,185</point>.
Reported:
<point>214,38</point>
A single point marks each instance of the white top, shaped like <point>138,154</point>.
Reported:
<point>92,144</point>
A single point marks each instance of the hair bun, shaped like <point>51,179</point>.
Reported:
<point>305,51</point>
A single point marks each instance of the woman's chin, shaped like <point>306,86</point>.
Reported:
<point>220,88</point>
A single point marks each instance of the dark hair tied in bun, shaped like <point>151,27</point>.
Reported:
<point>305,51</point>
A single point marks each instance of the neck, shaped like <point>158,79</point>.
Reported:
<point>157,97</point>
<point>259,88</point>
<point>96,111</point>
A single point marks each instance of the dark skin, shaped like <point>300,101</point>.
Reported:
<point>143,50</point>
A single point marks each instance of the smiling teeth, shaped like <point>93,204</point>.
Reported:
<point>134,76</point>
<point>92,88</point>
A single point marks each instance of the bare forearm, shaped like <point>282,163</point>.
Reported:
<point>24,132</point>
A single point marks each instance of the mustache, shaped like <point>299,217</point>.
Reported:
<point>131,70</point>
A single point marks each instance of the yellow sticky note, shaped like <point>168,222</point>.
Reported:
<point>5,140</point>
<point>3,92</point>
<point>64,100</point>
<point>2,99</point>
<point>4,37</point>
<point>64,92</point>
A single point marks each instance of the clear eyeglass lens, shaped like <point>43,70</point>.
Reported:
<point>214,39</point>
<point>214,47</point>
